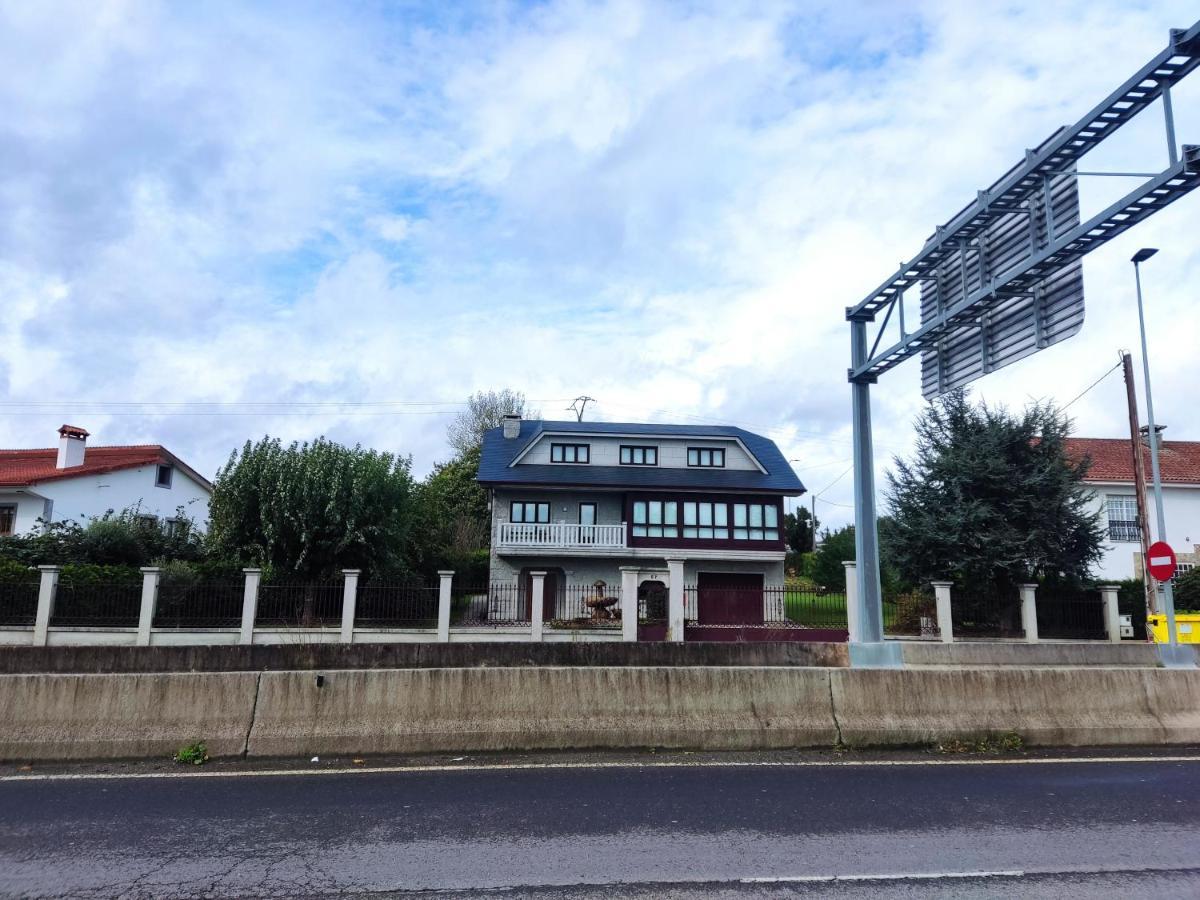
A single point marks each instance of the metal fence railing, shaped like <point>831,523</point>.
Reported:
<point>986,612</point>
<point>585,606</point>
<point>653,600</point>
<point>1068,613</point>
<point>101,604</point>
<point>18,602</point>
<point>495,604</point>
<point>300,604</point>
<point>393,605</point>
<point>204,604</point>
<point>910,614</point>
<point>814,608</point>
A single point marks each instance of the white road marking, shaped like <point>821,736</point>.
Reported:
<point>631,764</point>
<point>892,876</point>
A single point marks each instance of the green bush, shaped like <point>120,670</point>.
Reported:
<point>87,573</point>
<point>13,572</point>
<point>1187,591</point>
<point>192,754</point>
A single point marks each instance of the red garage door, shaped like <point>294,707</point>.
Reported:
<point>729,598</point>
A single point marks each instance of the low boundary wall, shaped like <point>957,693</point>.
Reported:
<point>393,711</point>
<point>265,657</point>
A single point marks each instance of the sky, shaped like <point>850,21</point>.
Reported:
<point>219,221</point>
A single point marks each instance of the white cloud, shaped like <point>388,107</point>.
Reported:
<point>667,207</point>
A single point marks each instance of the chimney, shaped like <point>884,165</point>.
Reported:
<point>72,442</point>
<point>1145,433</point>
<point>512,425</point>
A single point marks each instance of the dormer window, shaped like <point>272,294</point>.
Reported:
<point>162,477</point>
<point>639,456</point>
<point>706,457</point>
<point>570,453</point>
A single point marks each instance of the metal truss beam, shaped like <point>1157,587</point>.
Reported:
<point>1139,204</point>
<point>1057,155</point>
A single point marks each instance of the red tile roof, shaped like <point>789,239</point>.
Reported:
<point>19,468</point>
<point>1112,459</point>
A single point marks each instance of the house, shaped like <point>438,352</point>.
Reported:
<point>74,482</point>
<point>639,505</point>
<point>1115,499</point>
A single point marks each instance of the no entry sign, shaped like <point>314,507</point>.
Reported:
<point>1161,559</point>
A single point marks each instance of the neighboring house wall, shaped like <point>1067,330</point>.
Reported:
<point>1181,506</point>
<point>89,496</point>
<point>608,569</point>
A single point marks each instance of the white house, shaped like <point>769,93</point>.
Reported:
<point>75,483</point>
<point>1111,480</point>
<point>596,501</point>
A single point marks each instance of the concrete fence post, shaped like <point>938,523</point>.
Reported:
<point>675,600</point>
<point>349,603</point>
<point>852,623</point>
<point>250,605</point>
<point>537,603</point>
<point>1112,613</point>
<point>150,579</point>
<point>1029,612</point>
<point>629,602</point>
<point>445,585</point>
<point>945,622</point>
<point>47,590</point>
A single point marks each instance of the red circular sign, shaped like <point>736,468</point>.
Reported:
<point>1161,560</point>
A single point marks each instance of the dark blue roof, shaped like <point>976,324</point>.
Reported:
<point>498,453</point>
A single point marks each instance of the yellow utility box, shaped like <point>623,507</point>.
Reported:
<point>1187,628</point>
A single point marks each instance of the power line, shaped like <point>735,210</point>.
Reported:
<point>1092,385</point>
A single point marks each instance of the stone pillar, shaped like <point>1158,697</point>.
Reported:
<point>629,602</point>
<point>150,579</point>
<point>46,592</point>
<point>1029,612</point>
<point>249,605</point>
<point>445,582</point>
<point>852,623</point>
<point>349,603</point>
<point>537,603</point>
<point>675,608</point>
<point>1112,613</point>
<point>945,623</point>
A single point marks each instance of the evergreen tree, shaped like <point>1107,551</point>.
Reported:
<point>991,499</point>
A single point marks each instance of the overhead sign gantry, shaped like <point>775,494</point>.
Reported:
<point>1001,280</point>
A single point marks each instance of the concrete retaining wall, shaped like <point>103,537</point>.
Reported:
<point>475,709</point>
<point>241,658</point>
<point>1047,653</point>
<point>124,716</point>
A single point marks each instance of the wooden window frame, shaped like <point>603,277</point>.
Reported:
<point>646,450</point>
<point>712,457</point>
<point>575,449</point>
<point>9,509</point>
<point>638,533</point>
<point>537,508</point>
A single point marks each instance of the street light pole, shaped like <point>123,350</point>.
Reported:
<point>1168,595</point>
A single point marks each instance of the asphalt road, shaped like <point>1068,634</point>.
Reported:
<point>1068,829</point>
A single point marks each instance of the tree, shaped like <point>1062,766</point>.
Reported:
<point>836,547</point>
<point>453,522</point>
<point>798,530</point>
<point>485,409</point>
<point>308,510</point>
<point>991,499</point>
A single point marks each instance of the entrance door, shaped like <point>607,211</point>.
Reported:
<point>729,598</point>
<point>549,598</point>
<point>587,516</point>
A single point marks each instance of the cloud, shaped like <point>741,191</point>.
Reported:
<point>665,206</point>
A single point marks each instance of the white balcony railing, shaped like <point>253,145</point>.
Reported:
<point>561,535</point>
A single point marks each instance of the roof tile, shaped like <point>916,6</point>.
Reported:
<point>1179,461</point>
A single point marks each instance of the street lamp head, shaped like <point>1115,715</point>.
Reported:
<point>1144,254</point>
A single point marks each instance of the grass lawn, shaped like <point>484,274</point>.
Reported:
<point>825,610</point>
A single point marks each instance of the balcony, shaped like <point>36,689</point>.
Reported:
<point>561,536</point>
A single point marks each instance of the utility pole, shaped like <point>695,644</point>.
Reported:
<point>578,405</point>
<point>1139,481</point>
